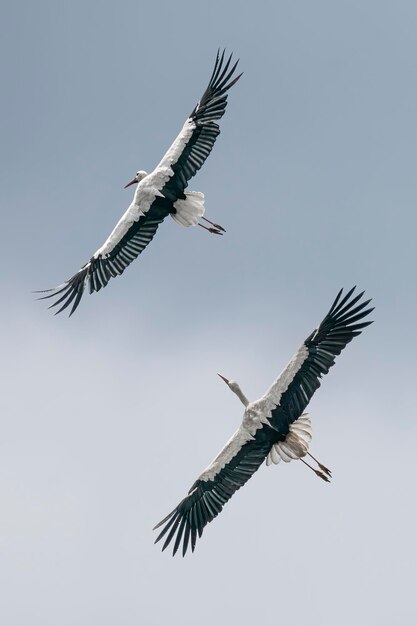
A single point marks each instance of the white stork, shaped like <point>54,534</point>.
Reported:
<point>158,194</point>
<point>273,428</point>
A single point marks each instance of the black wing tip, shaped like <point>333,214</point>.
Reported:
<point>177,528</point>
<point>44,291</point>
<point>73,292</point>
<point>220,75</point>
<point>340,302</point>
<point>222,50</point>
<point>359,296</point>
<point>70,292</point>
<point>159,524</point>
<point>346,311</point>
<point>54,291</point>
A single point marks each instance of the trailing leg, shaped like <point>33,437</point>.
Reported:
<point>322,467</point>
<point>317,472</point>
<point>217,226</point>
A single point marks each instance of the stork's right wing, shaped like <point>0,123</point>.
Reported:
<point>288,397</point>
<point>195,141</point>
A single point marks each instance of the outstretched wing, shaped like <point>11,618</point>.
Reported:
<point>196,139</point>
<point>212,490</point>
<point>296,385</point>
<point>124,245</point>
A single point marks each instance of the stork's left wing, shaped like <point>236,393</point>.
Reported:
<point>196,139</point>
<point>288,397</point>
<point>213,489</point>
<point>110,260</point>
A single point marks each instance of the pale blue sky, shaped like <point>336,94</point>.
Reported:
<point>108,417</point>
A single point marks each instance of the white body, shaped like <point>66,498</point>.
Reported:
<point>188,211</point>
<point>257,414</point>
<point>296,443</point>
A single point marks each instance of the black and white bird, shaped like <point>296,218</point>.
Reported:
<point>273,428</point>
<point>158,194</point>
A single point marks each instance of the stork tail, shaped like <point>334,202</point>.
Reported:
<point>295,444</point>
<point>189,210</point>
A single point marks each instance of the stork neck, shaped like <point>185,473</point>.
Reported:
<point>241,395</point>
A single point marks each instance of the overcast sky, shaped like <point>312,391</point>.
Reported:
<point>108,417</point>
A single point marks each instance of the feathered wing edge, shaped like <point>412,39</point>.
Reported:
<point>341,324</point>
<point>71,289</point>
<point>205,129</point>
<point>206,499</point>
<point>212,103</point>
<point>98,271</point>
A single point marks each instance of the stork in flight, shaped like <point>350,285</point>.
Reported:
<point>158,194</point>
<point>273,428</point>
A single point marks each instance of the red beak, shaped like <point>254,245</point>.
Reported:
<point>132,182</point>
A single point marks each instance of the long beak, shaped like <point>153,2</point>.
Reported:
<point>132,182</point>
<point>223,378</point>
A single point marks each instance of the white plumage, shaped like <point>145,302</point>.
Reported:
<point>189,211</point>
<point>296,443</point>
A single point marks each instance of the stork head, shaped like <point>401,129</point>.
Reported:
<point>229,383</point>
<point>235,387</point>
<point>137,178</point>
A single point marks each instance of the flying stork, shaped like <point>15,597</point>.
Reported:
<point>273,428</point>
<point>158,194</point>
